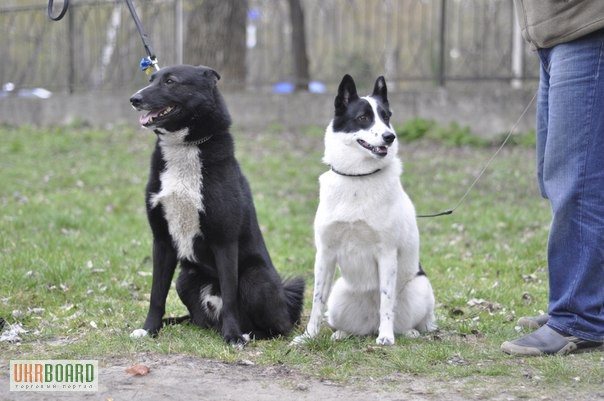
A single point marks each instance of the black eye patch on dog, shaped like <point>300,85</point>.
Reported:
<point>358,116</point>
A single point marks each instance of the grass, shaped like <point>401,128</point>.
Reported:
<point>75,255</point>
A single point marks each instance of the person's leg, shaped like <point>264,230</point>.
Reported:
<point>542,115</point>
<point>570,161</point>
<point>573,181</point>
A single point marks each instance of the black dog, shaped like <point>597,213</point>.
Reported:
<point>202,215</point>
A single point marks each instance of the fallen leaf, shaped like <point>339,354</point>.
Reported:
<point>11,333</point>
<point>138,370</point>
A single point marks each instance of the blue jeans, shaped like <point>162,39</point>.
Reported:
<point>570,169</point>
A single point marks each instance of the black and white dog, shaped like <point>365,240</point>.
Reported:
<point>201,213</point>
<point>365,224</point>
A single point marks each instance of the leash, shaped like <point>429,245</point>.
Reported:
<point>486,166</point>
<point>150,62</point>
<point>147,64</point>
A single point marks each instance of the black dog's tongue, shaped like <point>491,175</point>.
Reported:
<point>147,118</point>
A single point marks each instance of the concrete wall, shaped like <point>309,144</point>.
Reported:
<point>487,110</point>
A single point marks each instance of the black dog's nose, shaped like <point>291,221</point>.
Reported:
<point>136,99</point>
<point>388,137</point>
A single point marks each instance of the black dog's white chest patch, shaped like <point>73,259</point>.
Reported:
<point>180,194</point>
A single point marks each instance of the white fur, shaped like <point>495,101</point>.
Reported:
<point>212,304</point>
<point>139,333</point>
<point>180,194</point>
<point>367,227</point>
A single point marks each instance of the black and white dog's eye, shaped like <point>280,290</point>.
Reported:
<point>363,118</point>
<point>386,116</point>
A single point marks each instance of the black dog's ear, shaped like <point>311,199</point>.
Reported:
<point>347,92</point>
<point>209,72</point>
<point>380,90</point>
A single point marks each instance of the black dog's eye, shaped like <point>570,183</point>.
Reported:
<point>169,81</point>
<point>363,118</point>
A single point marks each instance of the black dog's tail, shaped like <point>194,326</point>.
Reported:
<point>294,296</point>
<point>169,321</point>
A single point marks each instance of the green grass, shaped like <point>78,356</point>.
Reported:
<point>75,255</point>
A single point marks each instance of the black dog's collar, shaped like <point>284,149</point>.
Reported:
<point>199,141</point>
<point>355,175</point>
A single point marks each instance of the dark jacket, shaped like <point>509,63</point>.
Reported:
<point>546,23</point>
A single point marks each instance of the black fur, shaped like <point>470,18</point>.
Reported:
<point>231,253</point>
<point>421,271</point>
<point>353,113</point>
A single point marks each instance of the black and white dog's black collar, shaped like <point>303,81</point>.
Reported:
<point>355,175</point>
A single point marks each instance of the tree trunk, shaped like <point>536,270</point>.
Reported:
<point>215,37</point>
<point>301,70</point>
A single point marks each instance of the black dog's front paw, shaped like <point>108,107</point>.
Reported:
<point>139,333</point>
<point>231,332</point>
<point>150,329</point>
<point>237,342</point>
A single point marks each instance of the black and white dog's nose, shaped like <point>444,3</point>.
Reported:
<point>388,137</point>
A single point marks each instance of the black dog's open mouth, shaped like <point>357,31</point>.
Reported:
<point>152,116</point>
<point>379,151</point>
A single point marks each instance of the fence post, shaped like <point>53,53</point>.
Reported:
<point>71,51</point>
<point>517,53</point>
<point>442,43</point>
<point>179,28</point>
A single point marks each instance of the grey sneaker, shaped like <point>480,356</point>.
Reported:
<point>533,322</point>
<point>547,341</point>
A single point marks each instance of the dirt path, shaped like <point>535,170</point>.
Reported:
<point>176,377</point>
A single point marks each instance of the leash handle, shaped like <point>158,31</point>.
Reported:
<point>61,13</point>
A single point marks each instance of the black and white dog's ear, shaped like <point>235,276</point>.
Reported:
<point>380,90</point>
<point>347,92</point>
<point>209,72</point>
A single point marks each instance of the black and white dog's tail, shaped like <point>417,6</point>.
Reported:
<point>294,296</point>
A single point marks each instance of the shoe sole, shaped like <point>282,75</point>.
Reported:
<point>571,348</point>
<point>513,349</point>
